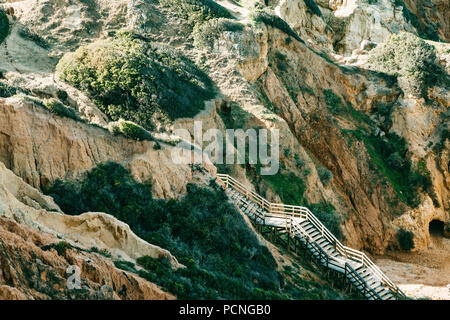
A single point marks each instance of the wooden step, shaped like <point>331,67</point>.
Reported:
<point>257,213</point>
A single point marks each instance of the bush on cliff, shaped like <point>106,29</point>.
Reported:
<point>203,230</point>
<point>207,33</point>
<point>130,130</point>
<point>130,78</point>
<point>411,59</point>
<point>405,239</point>
<point>197,11</point>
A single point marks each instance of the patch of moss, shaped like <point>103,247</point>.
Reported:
<point>289,187</point>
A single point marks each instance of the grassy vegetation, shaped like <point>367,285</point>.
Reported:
<point>289,187</point>
<point>207,33</point>
<point>410,58</point>
<point>327,214</point>
<point>60,247</point>
<point>405,239</point>
<point>130,78</point>
<point>389,155</point>
<point>325,175</point>
<point>4,25</point>
<point>56,107</point>
<point>197,11</point>
<point>130,130</point>
<point>224,258</point>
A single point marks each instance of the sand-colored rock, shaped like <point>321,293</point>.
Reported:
<point>29,270</point>
<point>41,147</point>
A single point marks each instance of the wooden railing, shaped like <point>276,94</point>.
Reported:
<point>365,289</point>
<point>290,211</point>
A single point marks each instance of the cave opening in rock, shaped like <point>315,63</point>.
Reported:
<point>436,228</point>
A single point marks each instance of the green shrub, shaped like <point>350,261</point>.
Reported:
<point>440,146</point>
<point>410,58</point>
<point>223,257</point>
<point>313,7</point>
<point>197,11</point>
<point>6,91</point>
<point>105,253</point>
<point>207,33</point>
<point>325,175</point>
<point>275,21</point>
<point>326,213</point>
<point>130,130</point>
<point>333,101</point>
<point>130,78</point>
<point>300,163</point>
<point>289,187</point>
<point>405,239</point>
<point>4,25</point>
<point>61,247</point>
<point>125,265</point>
<point>58,108</point>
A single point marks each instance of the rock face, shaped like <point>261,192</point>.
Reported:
<point>342,26</point>
<point>29,270</point>
<point>293,78</point>
<point>41,147</point>
<point>27,205</point>
<point>266,79</point>
<point>432,13</point>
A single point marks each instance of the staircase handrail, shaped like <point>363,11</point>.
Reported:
<point>360,281</point>
<point>303,212</point>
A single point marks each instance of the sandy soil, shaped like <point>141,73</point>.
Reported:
<point>421,274</point>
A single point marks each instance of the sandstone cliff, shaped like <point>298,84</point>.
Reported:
<point>309,78</point>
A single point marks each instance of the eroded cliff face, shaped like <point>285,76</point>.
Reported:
<point>294,77</point>
<point>267,79</point>
<point>31,269</point>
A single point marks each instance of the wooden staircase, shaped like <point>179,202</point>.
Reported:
<point>305,231</point>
